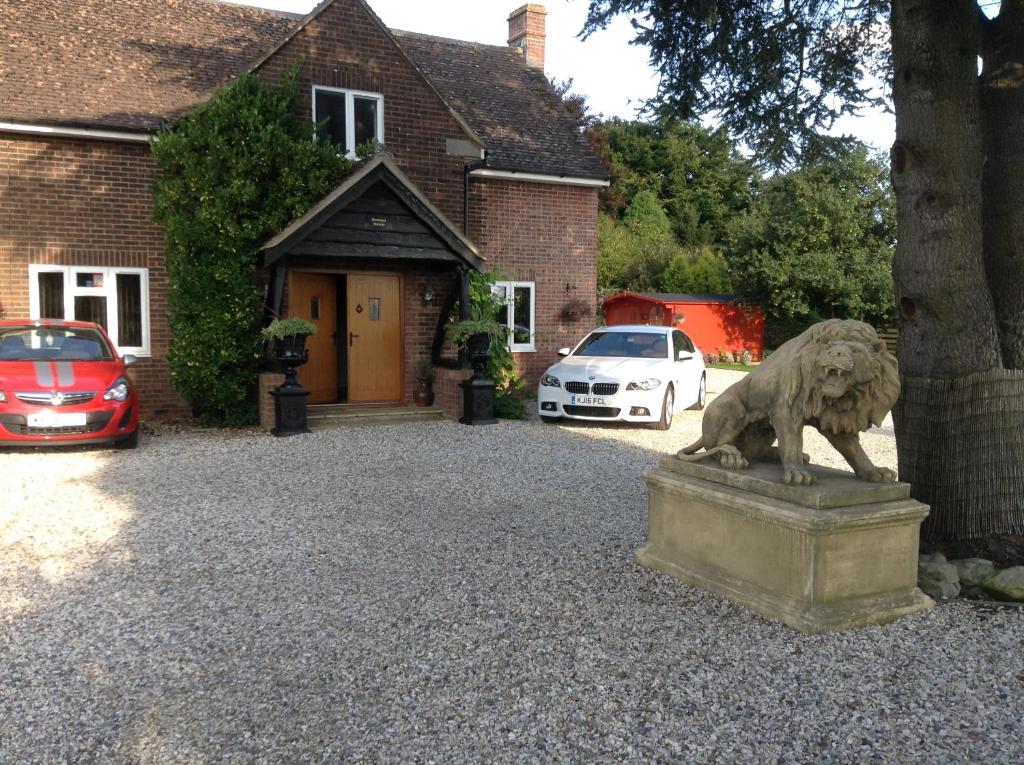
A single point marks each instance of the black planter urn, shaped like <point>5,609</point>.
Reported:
<point>290,397</point>
<point>478,392</point>
<point>479,348</point>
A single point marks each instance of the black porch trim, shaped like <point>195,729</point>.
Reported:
<point>376,213</point>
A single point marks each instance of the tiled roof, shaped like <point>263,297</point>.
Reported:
<point>130,64</point>
<point>511,106</point>
<point>685,297</point>
<point>123,64</point>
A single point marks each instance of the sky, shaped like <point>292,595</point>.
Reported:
<point>615,76</point>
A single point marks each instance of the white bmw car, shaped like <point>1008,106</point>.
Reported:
<point>628,373</point>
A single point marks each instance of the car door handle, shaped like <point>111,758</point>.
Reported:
<point>351,337</point>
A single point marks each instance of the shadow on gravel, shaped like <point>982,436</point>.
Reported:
<point>434,591</point>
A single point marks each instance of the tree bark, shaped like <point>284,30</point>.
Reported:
<point>946,317</point>
<point>960,417</point>
<point>1002,107</point>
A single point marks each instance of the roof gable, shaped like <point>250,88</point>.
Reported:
<point>510,104</point>
<point>365,8</point>
<point>375,212</point>
<point>131,65</point>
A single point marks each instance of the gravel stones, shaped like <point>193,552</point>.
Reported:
<point>436,593</point>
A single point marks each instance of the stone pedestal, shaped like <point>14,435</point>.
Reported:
<point>839,554</point>
<point>290,410</point>
<point>477,402</point>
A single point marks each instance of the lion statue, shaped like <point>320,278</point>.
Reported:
<point>837,376</point>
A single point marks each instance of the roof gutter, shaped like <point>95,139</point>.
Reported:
<point>71,132</point>
<point>515,175</point>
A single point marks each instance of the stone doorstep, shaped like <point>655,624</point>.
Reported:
<point>335,415</point>
<point>817,570</point>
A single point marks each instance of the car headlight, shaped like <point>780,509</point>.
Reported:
<point>3,398</point>
<point>551,382</point>
<point>118,391</point>
<point>649,384</point>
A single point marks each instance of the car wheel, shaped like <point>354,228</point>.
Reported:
<point>131,442</point>
<point>667,410</point>
<point>550,420</point>
<point>702,394</point>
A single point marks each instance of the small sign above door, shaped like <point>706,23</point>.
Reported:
<point>378,221</point>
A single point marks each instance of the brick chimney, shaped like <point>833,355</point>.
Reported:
<point>526,32</point>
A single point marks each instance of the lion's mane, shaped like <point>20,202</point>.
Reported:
<point>873,387</point>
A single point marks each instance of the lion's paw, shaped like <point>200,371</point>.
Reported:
<point>797,476</point>
<point>734,461</point>
<point>878,475</point>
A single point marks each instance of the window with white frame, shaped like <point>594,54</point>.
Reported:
<point>115,298</point>
<point>518,313</point>
<point>351,117</point>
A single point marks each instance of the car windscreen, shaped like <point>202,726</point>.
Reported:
<point>634,345</point>
<point>31,343</point>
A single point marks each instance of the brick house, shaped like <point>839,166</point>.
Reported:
<point>482,168</point>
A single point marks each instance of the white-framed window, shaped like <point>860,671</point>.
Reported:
<point>519,314</point>
<point>353,117</point>
<point>115,298</point>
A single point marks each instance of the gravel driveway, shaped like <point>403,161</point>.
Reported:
<point>436,593</point>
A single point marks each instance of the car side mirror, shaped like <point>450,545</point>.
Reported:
<point>564,351</point>
<point>129,359</point>
<point>685,355</point>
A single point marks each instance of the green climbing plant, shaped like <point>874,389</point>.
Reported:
<point>231,173</point>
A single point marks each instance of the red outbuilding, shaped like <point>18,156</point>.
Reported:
<point>713,322</point>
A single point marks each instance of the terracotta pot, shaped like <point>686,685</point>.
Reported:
<point>423,396</point>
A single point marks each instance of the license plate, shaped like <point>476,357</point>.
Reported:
<point>588,401</point>
<point>56,419</point>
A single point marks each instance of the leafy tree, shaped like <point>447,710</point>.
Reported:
<point>701,271</point>
<point>778,74</point>
<point>232,172</point>
<point>633,255</point>
<point>818,243</point>
<point>697,174</point>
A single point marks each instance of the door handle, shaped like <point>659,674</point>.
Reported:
<point>351,337</point>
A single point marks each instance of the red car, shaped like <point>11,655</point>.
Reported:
<point>62,382</point>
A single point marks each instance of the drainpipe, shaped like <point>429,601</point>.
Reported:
<point>468,168</point>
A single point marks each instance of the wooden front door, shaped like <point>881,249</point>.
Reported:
<point>374,338</point>
<point>314,297</point>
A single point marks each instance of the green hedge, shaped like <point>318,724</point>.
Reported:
<point>234,171</point>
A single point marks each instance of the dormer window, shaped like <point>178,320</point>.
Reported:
<point>353,117</point>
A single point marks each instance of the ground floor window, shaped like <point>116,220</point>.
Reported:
<point>519,313</point>
<point>115,298</point>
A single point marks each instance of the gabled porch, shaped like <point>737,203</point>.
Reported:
<point>377,268</point>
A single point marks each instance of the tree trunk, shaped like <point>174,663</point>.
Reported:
<point>960,417</point>
<point>946,319</point>
<point>1002,105</point>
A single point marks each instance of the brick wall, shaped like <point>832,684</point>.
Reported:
<point>345,47</point>
<point>447,393</point>
<point>90,203</point>
<point>76,202</point>
<point>542,233</point>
